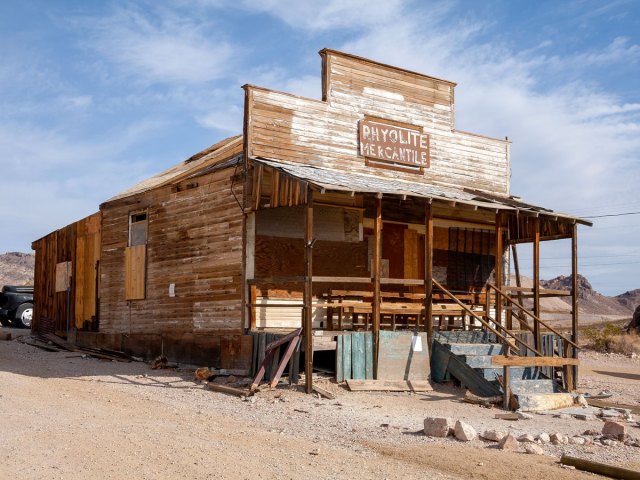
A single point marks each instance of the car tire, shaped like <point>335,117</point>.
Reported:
<point>24,315</point>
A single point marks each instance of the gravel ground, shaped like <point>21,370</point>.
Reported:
<point>69,417</point>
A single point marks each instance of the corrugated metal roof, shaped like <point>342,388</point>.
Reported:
<point>351,182</point>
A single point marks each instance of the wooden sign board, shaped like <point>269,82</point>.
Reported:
<point>393,144</point>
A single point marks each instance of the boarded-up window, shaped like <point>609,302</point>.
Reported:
<point>138,229</point>
<point>135,272</point>
<point>471,259</point>
<point>335,224</point>
<point>63,276</point>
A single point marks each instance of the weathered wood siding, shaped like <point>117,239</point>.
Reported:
<point>85,271</point>
<point>77,244</point>
<point>325,133</point>
<point>194,242</point>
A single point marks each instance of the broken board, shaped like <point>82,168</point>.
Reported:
<point>389,385</point>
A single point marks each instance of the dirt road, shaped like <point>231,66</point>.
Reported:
<point>68,417</point>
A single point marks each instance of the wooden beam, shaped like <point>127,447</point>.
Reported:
<point>600,468</point>
<point>536,283</point>
<point>574,298</point>
<point>516,267</point>
<point>229,390</point>
<point>377,254</point>
<point>542,239</point>
<point>389,385</point>
<point>428,272</point>
<point>517,361</point>
<point>498,267</point>
<point>308,294</point>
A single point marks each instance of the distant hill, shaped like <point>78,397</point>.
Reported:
<point>591,301</point>
<point>16,268</point>
<point>630,299</point>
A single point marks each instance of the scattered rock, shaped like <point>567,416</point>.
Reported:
<point>204,374</point>
<point>609,443</point>
<point>577,441</point>
<point>614,428</point>
<point>558,439</point>
<point>526,438</point>
<point>438,426</point>
<point>523,415</point>
<point>464,432</point>
<point>583,416</point>
<point>232,379</point>
<point>315,451</point>
<point>494,435</point>
<point>533,449</point>
<point>609,413</point>
<point>509,443</point>
<point>544,437</point>
<point>580,400</point>
<point>563,416</point>
<point>591,433</point>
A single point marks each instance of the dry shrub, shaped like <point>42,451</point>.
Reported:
<point>613,338</point>
<point>626,343</point>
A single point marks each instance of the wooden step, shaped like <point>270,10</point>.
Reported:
<point>531,373</point>
<point>543,385</point>
<point>477,361</point>
<point>464,336</point>
<point>475,348</point>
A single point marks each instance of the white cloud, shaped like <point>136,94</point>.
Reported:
<point>575,146</point>
<point>226,120</point>
<point>161,46</point>
<point>58,178</point>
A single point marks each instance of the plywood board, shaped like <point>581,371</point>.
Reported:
<point>63,276</point>
<point>135,272</point>
<point>411,254</point>
<point>389,385</point>
<point>403,356</point>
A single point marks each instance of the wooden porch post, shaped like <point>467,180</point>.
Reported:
<point>308,294</point>
<point>428,271</point>
<point>499,266</point>
<point>516,268</point>
<point>574,298</point>
<point>377,254</point>
<point>536,283</point>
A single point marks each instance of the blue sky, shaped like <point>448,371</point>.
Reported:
<point>95,96</point>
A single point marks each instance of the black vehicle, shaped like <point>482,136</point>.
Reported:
<point>16,306</point>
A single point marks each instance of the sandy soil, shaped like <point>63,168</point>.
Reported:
<point>68,417</point>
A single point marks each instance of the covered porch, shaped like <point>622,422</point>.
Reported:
<point>334,253</point>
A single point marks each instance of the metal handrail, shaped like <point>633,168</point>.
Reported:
<point>531,314</point>
<point>483,322</point>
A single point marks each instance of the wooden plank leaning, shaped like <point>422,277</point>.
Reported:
<point>293,339</point>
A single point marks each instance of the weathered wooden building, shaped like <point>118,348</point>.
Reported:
<point>365,211</point>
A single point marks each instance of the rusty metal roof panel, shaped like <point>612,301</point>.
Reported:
<point>351,182</point>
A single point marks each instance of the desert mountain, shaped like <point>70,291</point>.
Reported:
<point>630,299</point>
<point>590,301</point>
<point>16,268</point>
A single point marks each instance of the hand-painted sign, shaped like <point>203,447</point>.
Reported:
<point>404,145</point>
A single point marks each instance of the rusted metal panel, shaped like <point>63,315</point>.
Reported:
<point>403,356</point>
